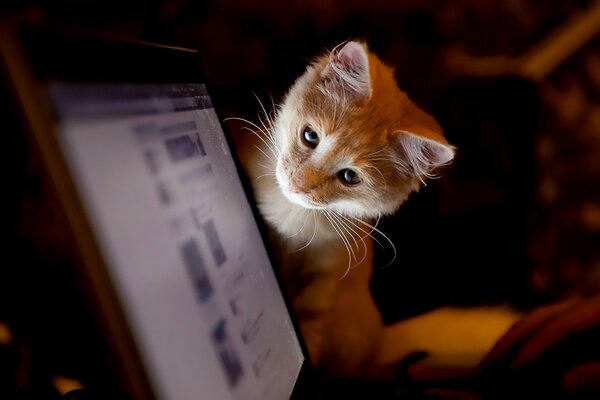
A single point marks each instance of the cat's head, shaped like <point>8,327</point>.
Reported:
<point>350,141</point>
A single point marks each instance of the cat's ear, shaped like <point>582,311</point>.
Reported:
<point>423,155</point>
<point>420,143</point>
<point>347,72</point>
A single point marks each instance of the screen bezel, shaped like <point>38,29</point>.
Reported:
<point>35,57</point>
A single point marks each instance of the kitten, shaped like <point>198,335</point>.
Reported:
<point>347,141</point>
<point>346,147</point>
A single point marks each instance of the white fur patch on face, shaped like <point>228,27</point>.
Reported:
<point>326,145</point>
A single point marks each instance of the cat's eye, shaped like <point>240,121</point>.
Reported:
<point>349,177</point>
<point>310,137</point>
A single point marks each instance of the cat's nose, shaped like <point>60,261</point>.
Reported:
<point>297,185</point>
<point>302,182</point>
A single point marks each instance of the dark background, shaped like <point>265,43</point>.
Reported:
<point>515,219</point>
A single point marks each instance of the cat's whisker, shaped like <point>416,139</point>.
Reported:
<point>351,253</point>
<point>260,132</point>
<point>267,167</point>
<point>376,152</point>
<point>346,272</point>
<point>377,221</point>
<point>243,120</point>
<point>343,241</point>
<point>268,130</point>
<point>299,231</point>
<point>381,159</point>
<point>273,105</point>
<point>379,171</point>
<point>263,108</point>
<point>313,235</point>
<point>343,227</point>
<point>346,109</point>
<point>366,233</point>
<point>314,213</point>
<point>353,232</point>
<point>271,124</point>
<point>398,163</point>
<point>269,145</point>
<point>349,231</point>
<point>342,230</point>
<point>335,116</point>
<point>372,157</point>
<point>339,119</point>
<point>273,114</point>
<point>265,154</point>
<point>374,229</point>
<point>264,175</point>
<point>266,139</point>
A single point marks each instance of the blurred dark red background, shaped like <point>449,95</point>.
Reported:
<point>515,219</point>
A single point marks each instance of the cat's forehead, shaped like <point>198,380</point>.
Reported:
<point>353,127</point>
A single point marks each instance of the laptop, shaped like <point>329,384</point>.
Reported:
<point>169,241</point>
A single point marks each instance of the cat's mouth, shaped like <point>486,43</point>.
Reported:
<point>301,199</point>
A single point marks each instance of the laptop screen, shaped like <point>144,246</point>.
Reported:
<point>182,247</point>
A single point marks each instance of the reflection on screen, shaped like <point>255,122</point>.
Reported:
<point>182,247</point>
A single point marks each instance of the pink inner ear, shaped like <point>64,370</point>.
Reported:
<point>351,65</point>
<point>423,154</point>
<point>438,153</point>
<point>353,57</point>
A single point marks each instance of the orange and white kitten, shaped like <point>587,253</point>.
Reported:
<point>346,147</point>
